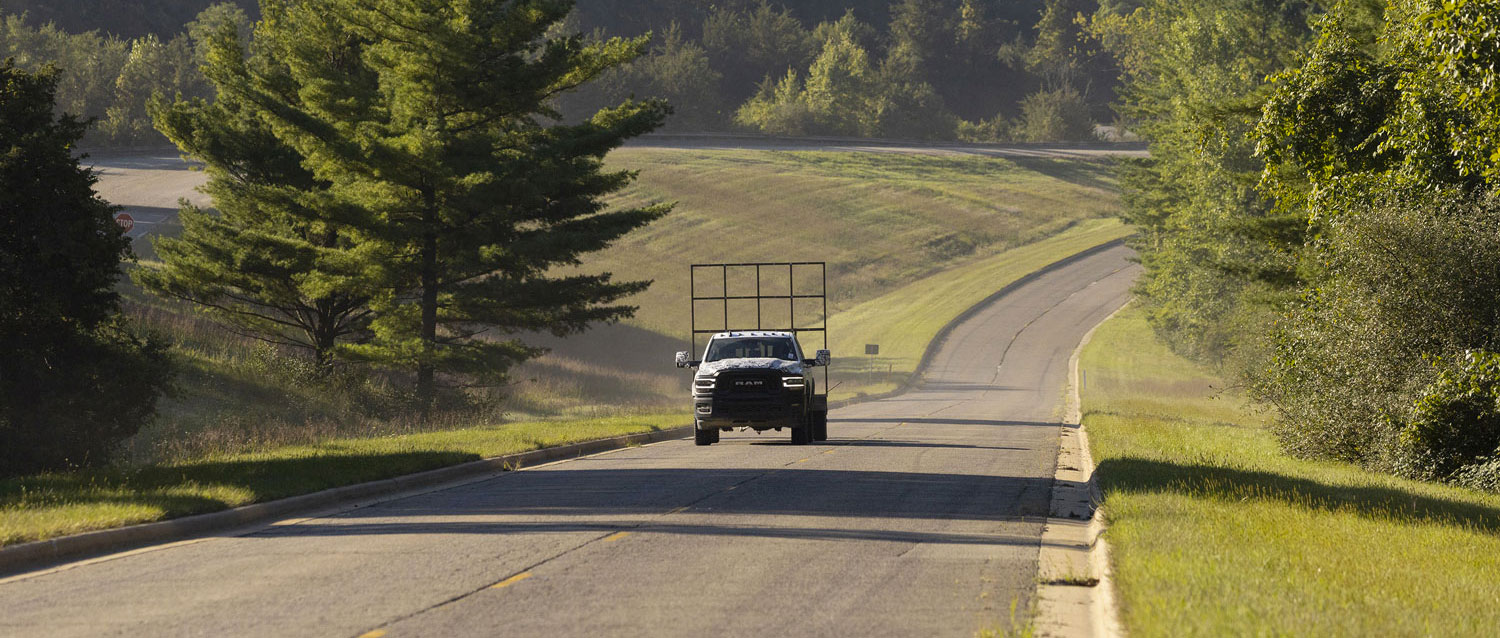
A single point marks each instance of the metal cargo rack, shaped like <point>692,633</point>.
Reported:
<point>721,272</point>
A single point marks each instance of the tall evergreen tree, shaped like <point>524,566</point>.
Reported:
<point>437,118</point>
<point>73,382</point>
<point>276,262</point>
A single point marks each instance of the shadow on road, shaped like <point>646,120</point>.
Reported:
<point>585,500</point>
<point>607,527</point>
<point>942,421</point>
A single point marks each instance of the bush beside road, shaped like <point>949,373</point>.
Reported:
<point>1213,531</point>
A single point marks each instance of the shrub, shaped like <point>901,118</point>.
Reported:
<point>1406,277</point>
<point>1456,422</point>
<point>1059,115</point>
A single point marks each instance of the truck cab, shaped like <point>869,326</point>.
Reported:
<point>761,380</point>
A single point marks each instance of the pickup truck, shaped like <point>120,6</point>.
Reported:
<point>759,380</point>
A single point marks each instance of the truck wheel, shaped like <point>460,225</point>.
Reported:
<point>803,433</point>
<point>705,437</point>
<point>820,426</point>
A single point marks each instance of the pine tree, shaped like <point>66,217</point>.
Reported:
<point>436,117</point>
<point>73,382</point>
<point>275,262</point>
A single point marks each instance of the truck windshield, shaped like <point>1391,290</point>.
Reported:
<point>751,347</point>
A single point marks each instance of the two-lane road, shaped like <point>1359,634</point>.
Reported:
<point>920,516</point>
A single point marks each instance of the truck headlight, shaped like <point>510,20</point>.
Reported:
<point>793,383</point>
<point>703,386</point>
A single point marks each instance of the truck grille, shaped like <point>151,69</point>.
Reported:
<point>747,383</point>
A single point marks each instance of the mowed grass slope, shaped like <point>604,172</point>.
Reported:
<point>911,241</point>
<point>1214,532</point>
<point>880,220</point>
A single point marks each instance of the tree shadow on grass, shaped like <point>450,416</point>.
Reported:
<point>1098,174</point>
<point>185,489</point>
<point>1148,476</point>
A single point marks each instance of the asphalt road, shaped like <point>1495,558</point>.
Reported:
<point>921,516</point>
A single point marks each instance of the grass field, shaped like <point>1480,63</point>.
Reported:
<point>1214,532</point>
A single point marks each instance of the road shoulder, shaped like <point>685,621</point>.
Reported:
<point>1075,591</point>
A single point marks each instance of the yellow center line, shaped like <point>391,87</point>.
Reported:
<point>511,581</point>
<point>679,510</point>
<point>615,536</point>
<point>373,633</point>
<point>804,460</point>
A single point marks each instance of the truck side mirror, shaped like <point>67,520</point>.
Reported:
<point>684,362</point>
<point>823,358</point>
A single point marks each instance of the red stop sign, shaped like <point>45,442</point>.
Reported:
<point>125,221</point>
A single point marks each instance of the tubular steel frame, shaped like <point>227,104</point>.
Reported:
<point>760,298</point>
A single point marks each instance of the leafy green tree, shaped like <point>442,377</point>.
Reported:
<point>88,65</point>
<point>154,67</point>
<point>274,261</point>
<point>748,46</point>
<point>439,129</point>
<point>1216,249</point>
<point>1383,139</point>
<point>839,86</point>
<point>922,36</point>
<point>74,383</point>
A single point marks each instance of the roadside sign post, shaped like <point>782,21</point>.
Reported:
<point>125,221</point>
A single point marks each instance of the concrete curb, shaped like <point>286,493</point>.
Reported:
<point>29,556</point>
<point>915,379</point>
<point>1076,597</point>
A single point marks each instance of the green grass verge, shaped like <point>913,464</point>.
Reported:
<point>1215,532</point>
<point>46,506</point>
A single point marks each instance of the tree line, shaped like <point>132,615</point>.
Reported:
<point>979,70</point>
<point>391,186</point>
<point>1320,213</point>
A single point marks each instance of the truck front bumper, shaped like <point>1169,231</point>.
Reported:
<point>712,414</point>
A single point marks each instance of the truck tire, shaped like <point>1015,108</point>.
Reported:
<point>705,437</point>
<point>803,433</point>
<point>820,425</point>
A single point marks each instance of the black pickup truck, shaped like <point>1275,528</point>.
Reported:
<point>758,380</point>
